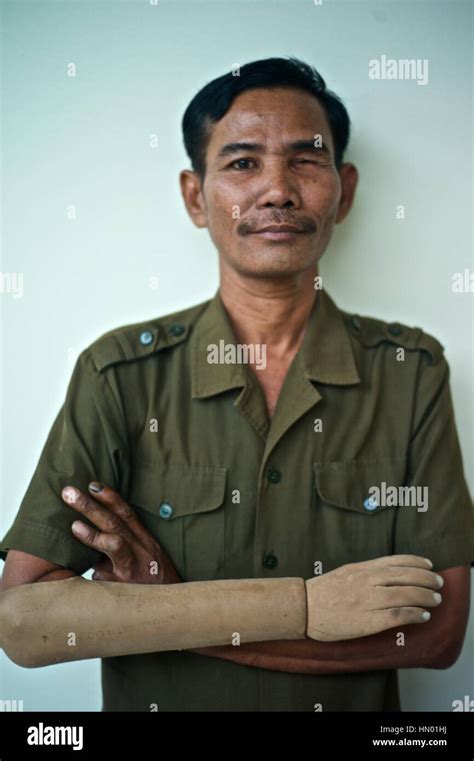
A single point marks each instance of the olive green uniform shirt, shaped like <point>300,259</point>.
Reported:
<point>233,494</point>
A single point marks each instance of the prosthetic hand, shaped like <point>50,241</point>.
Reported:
<point>365,598</point>
<point>57,621</point>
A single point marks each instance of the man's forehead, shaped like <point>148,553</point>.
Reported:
<point>280,114</point>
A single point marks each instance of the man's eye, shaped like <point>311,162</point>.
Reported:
<point>242,164</point>
<point>241,161</point>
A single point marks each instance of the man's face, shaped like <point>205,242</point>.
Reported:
<point>263,169</point>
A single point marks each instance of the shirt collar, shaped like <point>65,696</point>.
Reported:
<point>325,354</point>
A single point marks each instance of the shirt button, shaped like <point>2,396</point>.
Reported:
<point>146,337</point>
<point>370,503</point>
<point>176,329</point>
<point>269,560</point>
<point>273,475</point>
<point>166,510</point>
<point>355,322</point>
<point>394,329</point>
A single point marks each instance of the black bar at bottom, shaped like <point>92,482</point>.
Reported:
<point>95,735</point>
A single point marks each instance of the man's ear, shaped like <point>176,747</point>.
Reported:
<point>349,178</point>
<point>193,198</point>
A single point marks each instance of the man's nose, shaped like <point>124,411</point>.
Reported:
<point>278,187</point>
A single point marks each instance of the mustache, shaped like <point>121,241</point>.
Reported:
<point>305,224</point>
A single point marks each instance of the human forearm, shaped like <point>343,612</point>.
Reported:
<point>308,656</point>
<point>75,619</point>
<point>58,575</point>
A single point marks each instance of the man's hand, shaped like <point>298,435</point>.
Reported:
<point>131,553</point>
<point>365,598</point>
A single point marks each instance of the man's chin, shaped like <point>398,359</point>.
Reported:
<point>266,263</point>
<point>272,272</point>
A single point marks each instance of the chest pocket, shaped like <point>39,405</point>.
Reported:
<point>352,521</point>
<point>183,507</point>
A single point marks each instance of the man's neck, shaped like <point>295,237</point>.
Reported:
<point>271,312</point>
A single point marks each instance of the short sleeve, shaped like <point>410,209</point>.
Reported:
<point>86,442</point>
<point>441,525</point>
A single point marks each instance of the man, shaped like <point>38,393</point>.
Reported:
<point>244,437</point>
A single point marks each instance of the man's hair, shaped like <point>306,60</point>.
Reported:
<point>213,101</point>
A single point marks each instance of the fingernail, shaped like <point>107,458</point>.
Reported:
<point>78,528</point>
<point>69,494</point>
<point>426,616</point>
<point>429,562</point>
<point>437,596</point>
<point>439,579</point>
<point>96,486</point>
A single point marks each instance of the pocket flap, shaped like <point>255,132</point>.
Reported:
<point>351,484</point>
<point>173,491</point>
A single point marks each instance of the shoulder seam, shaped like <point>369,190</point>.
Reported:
<point>137,341</point>
<point>371,332</point>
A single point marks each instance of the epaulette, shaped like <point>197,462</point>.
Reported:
<point>142,339</point>
<point>371,332</point>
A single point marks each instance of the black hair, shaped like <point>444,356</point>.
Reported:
<point>213,101</point>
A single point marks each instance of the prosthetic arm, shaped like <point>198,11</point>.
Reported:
<point>74,619</point>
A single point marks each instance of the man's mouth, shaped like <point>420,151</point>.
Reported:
<point>278,232</point>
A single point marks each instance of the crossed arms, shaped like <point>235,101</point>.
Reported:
<point>347,620</point>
